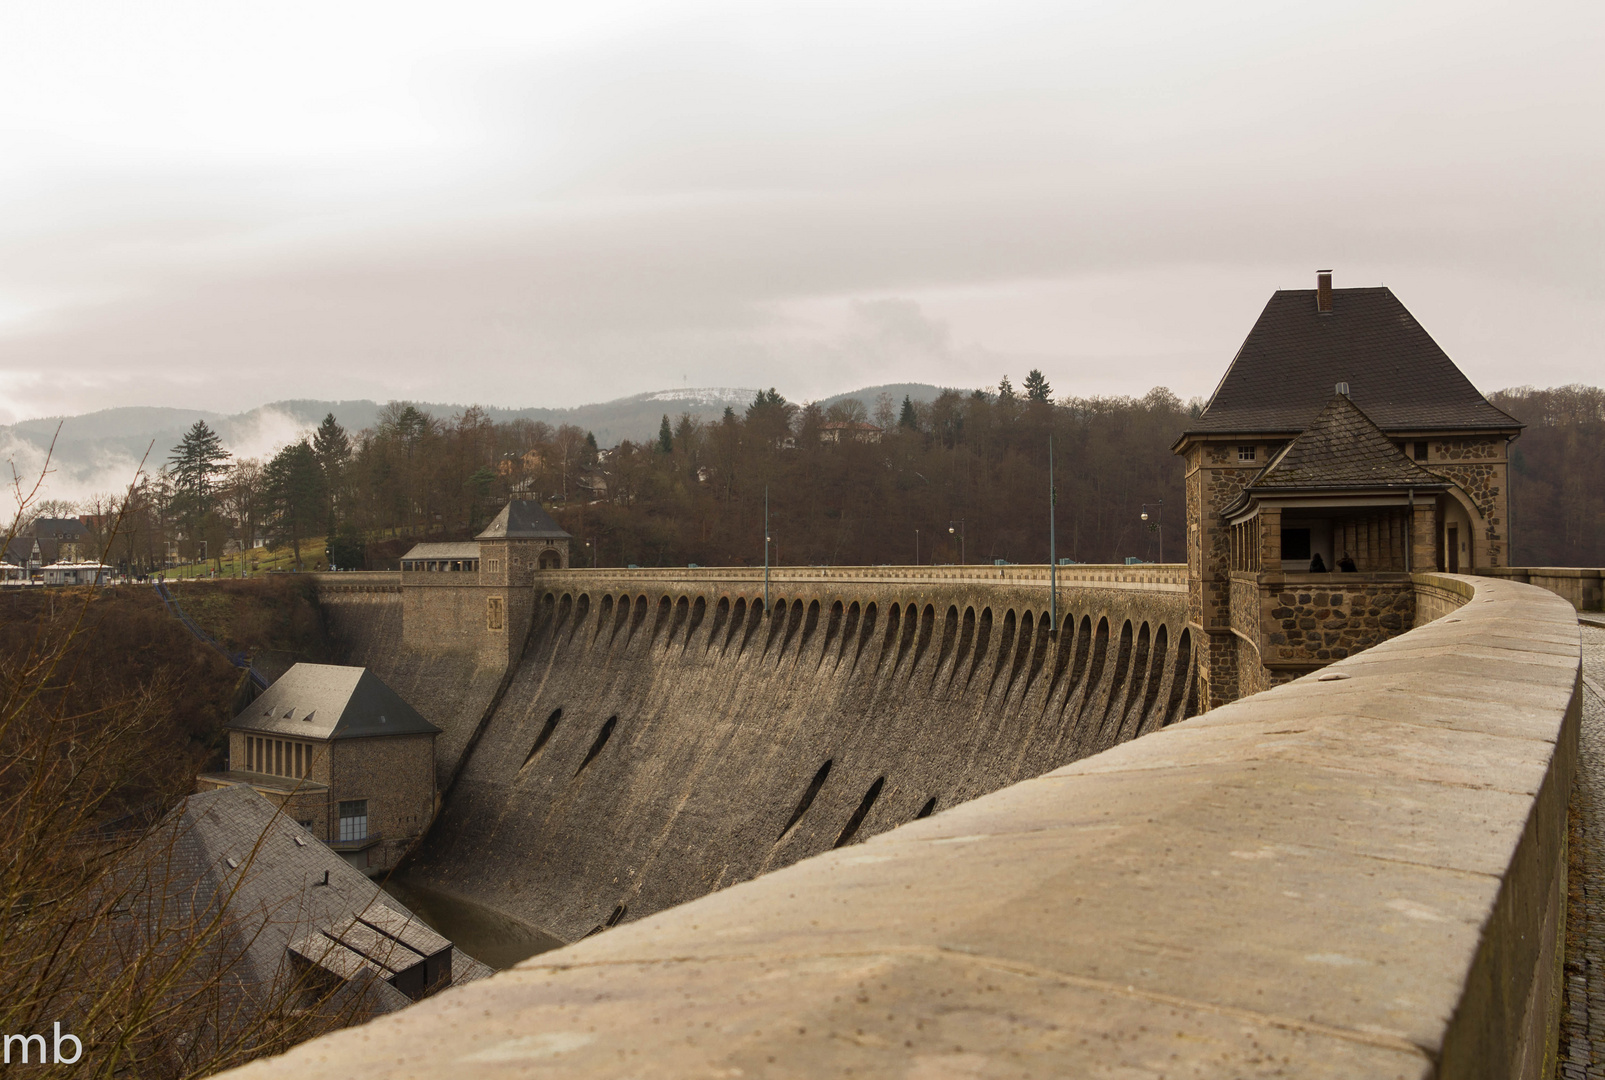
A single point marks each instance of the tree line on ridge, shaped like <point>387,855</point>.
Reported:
<point>964,476</point>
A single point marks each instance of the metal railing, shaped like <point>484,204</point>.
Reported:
<point>238,659</point>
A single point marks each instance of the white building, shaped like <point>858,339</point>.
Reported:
<point>79,573</point>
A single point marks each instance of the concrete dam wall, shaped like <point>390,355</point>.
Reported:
<point>657,735</point>
<point>1361,873</point>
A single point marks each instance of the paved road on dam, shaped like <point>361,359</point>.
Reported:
<point>1582,1026</point>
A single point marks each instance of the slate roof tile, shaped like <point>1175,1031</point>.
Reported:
<point>1295,355</point>
<point>1342,449</point>
<point>523,519</point>
<point>331,701</point>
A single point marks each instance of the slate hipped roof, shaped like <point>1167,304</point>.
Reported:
<point>233,846</point>
<point>523,519</point>
<point>1295,354</point>
<point>331,701</point>
<point>1341,451</point>
<point>464,549</point>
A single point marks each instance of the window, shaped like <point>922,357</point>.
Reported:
<point>1245,453</point>
<point>353,821</point>
<point>1420,451</point>
<point>493,613</point>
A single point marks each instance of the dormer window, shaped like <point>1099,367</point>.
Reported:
<point>1245,453</point>
<point>1420,451</point>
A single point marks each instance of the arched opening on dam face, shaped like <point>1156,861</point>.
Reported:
<point>721,615</point>
<point>582,607</point>
<point>928,809</point>
<point>848,631</point>
<point>698,611</point>
<point>1156,675</point>
<point>983,634</point>
<point>754,620</point>
<point>621,617</point>
<point>807,799</point>
<point>1180,677</point>
<point>867,804</point>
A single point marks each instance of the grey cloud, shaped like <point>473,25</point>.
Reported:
<point>660,204</point>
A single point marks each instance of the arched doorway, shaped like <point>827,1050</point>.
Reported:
<point>550,560</point>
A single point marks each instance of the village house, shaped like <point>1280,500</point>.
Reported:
<point>1341,451</point>
<point>344,755</point>
<point>837,431</point>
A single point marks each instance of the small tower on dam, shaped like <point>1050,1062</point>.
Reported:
<point>522,539</point>
<point>1341,451</point>
<point>474,596</point>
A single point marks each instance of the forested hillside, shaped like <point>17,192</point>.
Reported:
<point>1557,475</point>
<point>970,465</point>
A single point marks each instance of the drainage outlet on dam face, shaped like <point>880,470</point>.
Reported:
<point>601,741</point>
<point>612,921</point>
<point>864,807</point>
<point>541,739</point>
<point>807,800</point>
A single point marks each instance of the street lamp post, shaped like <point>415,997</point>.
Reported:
<point>766,549</point>
<point>916,547</point>
<point>1053,548</point>
<point>1159,523</point>
<point>956,528</point>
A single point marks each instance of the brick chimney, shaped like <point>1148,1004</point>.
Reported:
<point>1323,291</point>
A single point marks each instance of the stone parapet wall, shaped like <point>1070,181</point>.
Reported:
<point>1356,874</point>
<point>1583,587</point>
<point>1156,577</point>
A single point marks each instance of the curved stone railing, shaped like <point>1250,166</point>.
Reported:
<point>1359,873</point>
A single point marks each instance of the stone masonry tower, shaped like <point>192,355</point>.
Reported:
<point>522,540</point>
<point>1307,346</point>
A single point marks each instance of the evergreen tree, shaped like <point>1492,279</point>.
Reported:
<point>1036,386</point>
<point>908,418</point>
<point>1005,390</point>
<point>295,490</point>
<point>665,436</point>
<point>332,447</point>
<point>197,458</point>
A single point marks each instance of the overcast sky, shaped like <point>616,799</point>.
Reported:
<point>217,205</point>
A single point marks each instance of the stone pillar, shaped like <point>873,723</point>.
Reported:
<point>1424,537</point>
<point>1270,536</point>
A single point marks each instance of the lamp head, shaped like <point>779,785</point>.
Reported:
<point>1145,515</point>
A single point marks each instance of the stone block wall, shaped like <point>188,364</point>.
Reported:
<point>396,775</point>
<point>1478,466</point>
<point>1290,624</point>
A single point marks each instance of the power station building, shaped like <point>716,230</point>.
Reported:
<point>344,755</point>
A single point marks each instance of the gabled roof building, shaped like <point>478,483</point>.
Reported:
<point>345,756</point>
<point>1340,439</point>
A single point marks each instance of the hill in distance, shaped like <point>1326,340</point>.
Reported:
<point>101,451</point>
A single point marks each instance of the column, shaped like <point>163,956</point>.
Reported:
<point>1270,537</point>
